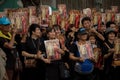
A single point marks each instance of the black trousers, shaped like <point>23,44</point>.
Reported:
<point>52,71</point>
<point>78,76</point>
<point>115,73</point>
<point>33,74</point>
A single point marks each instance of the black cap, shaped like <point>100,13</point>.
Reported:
<point>82,31</point>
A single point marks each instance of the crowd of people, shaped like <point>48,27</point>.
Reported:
<point>86,52</point>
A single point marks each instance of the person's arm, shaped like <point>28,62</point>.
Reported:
<point>12,41</point>
<point>72,57</point>
<point>98,34</point>
<point>36,56</point>
<point>110,52</point>
<point>26,54</point>
<point>41,57</point>
<point>73,49</point>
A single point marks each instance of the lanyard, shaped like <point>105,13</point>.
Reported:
<point>36,46</point>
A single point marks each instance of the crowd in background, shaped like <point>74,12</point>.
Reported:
<point>79,60</point>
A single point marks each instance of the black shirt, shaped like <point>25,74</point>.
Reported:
<point>32,46</point>
<point>108,61</point>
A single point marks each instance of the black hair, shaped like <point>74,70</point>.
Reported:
<point>67,32</point>
<point>49,29</point>
<point>106,35</point>
<point>86,19</point>
<point>109,23</point>
<point>32,28</point>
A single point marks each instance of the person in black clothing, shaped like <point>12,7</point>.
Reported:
<point>108,50</point>
<point>80,56</point>
<point>53,68</point>
<point>33,49</point>
<point>8,44</point>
